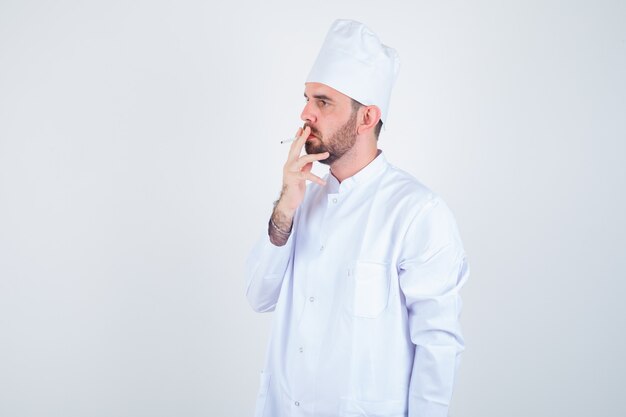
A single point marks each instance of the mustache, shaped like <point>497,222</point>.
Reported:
<point>314,131</point>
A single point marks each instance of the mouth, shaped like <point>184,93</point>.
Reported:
<point>311,135</point>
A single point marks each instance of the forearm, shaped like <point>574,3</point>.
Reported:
<point>280,225</point>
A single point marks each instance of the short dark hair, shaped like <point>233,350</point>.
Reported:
<point>356,106</point>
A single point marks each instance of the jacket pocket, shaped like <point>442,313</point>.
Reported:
<point>369,282</point>
<point>263,392</point>
<point>355,408</point>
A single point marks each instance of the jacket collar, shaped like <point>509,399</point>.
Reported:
<point>370,171</point>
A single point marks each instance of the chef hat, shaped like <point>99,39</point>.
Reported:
<point>354,62</point>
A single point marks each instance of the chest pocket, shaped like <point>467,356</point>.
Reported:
<point>369,288</point>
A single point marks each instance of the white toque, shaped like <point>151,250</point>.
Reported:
<point>354,62</point>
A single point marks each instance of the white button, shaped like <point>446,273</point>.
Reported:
<point>321,248</point>
<point>297,404</point>
<point>335,200</point>
<point>311,299</point>
<point>301,349</point>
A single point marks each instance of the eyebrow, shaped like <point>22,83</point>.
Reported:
<point>320,97</point>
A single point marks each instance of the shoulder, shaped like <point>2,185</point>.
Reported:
<point>404,188</point>
<point>416,200</point>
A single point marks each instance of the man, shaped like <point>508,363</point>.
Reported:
<point>363,267</point>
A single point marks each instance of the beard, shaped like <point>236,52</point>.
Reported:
<point>337,145</point>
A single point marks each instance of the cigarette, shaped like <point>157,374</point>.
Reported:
<point>288,140</point>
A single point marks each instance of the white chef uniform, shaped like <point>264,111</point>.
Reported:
<point>366,301</point>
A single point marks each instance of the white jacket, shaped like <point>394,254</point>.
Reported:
<point>366,301</point>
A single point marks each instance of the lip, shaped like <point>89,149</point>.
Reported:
<point>311,135</point>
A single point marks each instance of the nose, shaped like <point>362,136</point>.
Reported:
<point>308,113</point>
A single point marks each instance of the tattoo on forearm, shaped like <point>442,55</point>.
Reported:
<point>279,228</point>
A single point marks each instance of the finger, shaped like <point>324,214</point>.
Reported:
<point>307,167</point>
<point>298,144</point>
<point>306,159</point>
<point>292,148</point>
<point>314,178</point>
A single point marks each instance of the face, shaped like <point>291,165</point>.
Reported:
<point>332,120</point>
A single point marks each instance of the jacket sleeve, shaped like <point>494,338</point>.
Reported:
<point>432,269</point>
<point>265,269</point>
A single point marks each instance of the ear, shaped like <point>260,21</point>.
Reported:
<point>368,119</point>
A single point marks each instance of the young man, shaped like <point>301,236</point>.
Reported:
<point>362,268</point>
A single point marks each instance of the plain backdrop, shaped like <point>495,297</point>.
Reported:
<point>140,156</point>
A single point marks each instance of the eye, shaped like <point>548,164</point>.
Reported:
<point>322,103</point>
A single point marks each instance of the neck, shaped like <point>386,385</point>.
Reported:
<point>352,162</point>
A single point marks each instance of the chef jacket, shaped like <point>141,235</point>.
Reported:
<point>366,301</point>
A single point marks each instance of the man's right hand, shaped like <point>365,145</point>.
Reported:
<point>296,171</point>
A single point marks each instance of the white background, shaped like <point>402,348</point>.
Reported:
<point>139,157</point>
